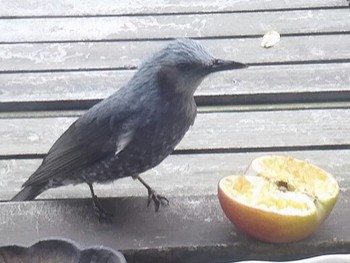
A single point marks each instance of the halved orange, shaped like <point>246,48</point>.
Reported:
<point>279,199</point>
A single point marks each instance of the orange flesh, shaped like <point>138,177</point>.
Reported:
<point>261,193</point>
<point>300,175</point>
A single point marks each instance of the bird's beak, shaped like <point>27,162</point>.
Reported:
<point>221,65</point>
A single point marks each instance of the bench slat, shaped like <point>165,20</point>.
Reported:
<point>122,7</point>
<point>253,85</point>
<point>115,55</point>
<point>184,175</point>
<point>191,229</point>
<point>163,27</point>
<point>238,131</point>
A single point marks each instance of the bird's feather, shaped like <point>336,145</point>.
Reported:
<point>83,144</point>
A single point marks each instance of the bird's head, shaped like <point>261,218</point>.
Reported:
<point>182,65</point>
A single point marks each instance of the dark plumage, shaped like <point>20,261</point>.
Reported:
<point>134,129</point>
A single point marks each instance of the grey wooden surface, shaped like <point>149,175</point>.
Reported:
<point>254,83</point>
<point>164,26</point>
<point>212,131</point>
<point>35,8</point>
<point>178,175</point>
<point>128,54</point>
<point>58,58</point>
<point>191,229</point>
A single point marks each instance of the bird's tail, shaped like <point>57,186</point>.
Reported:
<point>29,192</point>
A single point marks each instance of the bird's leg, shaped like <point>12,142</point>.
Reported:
<point>98,209</point>
<point>152,195</point>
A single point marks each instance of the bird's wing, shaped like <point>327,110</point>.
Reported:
<point>83,144</point>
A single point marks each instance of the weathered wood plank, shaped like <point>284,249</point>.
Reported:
<point>178,175</point>
<point>191,229</point>
<point>131,7</point>
<point>253,85</point>
<point>237,131</point>
<point>163,27</point>
<point>106,55</point>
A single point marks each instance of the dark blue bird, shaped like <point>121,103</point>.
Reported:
<point>134,129</point>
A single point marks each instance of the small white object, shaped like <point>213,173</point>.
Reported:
<point>339,258</point>
<point>270,39</point>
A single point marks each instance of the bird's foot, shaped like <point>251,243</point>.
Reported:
<point>100,212</point>
<point>152,195</point>
<point>157,199</point>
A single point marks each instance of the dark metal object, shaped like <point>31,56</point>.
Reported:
<point>58,251</point>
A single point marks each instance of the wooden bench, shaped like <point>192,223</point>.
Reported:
<point>58,58</point>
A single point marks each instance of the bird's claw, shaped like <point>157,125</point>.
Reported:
<point>157,199</point>
<point>100,212</point>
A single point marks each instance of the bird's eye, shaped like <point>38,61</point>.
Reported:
<point>183,67</point>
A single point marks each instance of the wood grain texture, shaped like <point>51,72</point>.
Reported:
<point>222,130</point>
<point>190,230</point>
<point>177,175</point>
<point>163,27</point>
<point>126,55</point>
<point>252,85</point>
<point>130,7</point>
<point>64,53</point>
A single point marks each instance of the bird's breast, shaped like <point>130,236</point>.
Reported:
<point>167,130</point>
<point>154,140</point>
<point>158,137</point>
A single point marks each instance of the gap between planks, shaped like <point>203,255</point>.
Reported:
<point>199,12</point>
<point>201,109</point>
<point>161,39</point>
